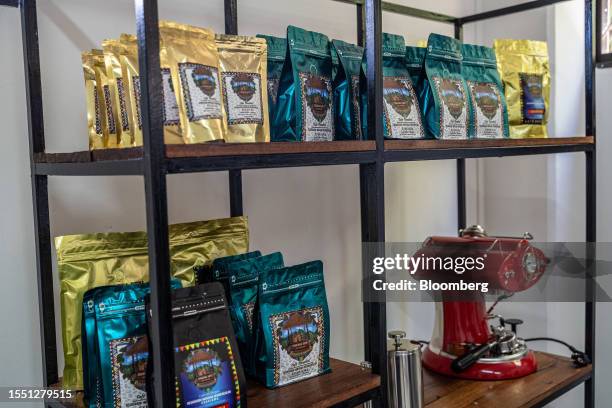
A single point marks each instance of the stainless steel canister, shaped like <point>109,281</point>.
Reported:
<point>405,373</point>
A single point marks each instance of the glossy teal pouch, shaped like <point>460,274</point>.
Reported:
<point>346,81</point>
<point>294,322</point>
<point>444,93</point>
<point>218,269</point>
<point>277,50</point>
<point>243,283</point>
<point>400,103</point>
<point>490,112</point>
<point>304,109</point>
<point>415,59</point>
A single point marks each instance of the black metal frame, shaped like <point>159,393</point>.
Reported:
<point>154,166</point>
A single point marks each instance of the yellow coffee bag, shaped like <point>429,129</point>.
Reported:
<point>243,66</point>
<point>93,96</point>
<point>113,49</point>
<point>107,105</point>
<point>130,73</point>
<point>525,73</point>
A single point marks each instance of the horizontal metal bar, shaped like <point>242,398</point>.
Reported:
<point>9,3</point>
<point>477,152</point>
<point>530,5</point>
<point>94,168</point>
<point>409,11</point>
<point>604,60</point>
<point>221,163</point>
<point>369,395</point>
<point>563,390</point>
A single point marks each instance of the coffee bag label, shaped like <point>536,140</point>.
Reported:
<point>98,119</point>
<point>401,107</point>
<point>110,115</point>
<point>298,338</point>
<point>453,108</point>
<point>201,88</point>
<point>273,89</point>
<point>171,109</point>
<point>533,105</point>
<point>128,364</point>
<point>136,88</point>
<point>125,124</point>
<point>488,110</point>
<point>242,97</point>
<point>207,376</point>
<point>356,111</point>
<point>317,108</point>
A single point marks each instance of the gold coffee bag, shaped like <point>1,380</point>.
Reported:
<point>113,49</point>
<point>192,56</point>
<point>525,73</point>
<point>93,260</point>
<point>243,65</point>
<point>107,104</point>
<point>129,69</point>
<point>93,97</point>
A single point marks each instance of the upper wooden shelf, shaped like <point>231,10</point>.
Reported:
<point>555,376</point>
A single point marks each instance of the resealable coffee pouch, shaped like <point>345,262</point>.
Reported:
<point>217,272</point>
<point>487,98</point>
<point>277,50</point>
<point>304,110</point>
<point>401,106</point>
<point>131,76</point>
<point>415,60</point>
<point>243,67</point>
<point>346,89</point>
<point>243,284</point>
<point>194,66</point>
<point>444,94</point>
<point>525,73</point>
<point>93,96</point>
<point>93,260</point>
<point>107,103</point>
<point>113,49</point>
<point>294,320</point>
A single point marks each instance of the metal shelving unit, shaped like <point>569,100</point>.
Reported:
<point>155,160</point>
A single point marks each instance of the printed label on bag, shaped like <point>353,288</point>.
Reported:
<point>453,108</point>
<point>97,109</point>
<point>125,124</point>
<point>201,90</point>
<point>317,109</point>
<point>356,111</point>
<point>273,89</point>
<point>136,86</point>
<point>242,97</point>
<point>248,309</point>
<point>298,344</point>
<point>206,375</point>
<point>488,110</point>
<point>533,106</point>
<point>110,115</point>
<point>402,113</point>
<point>129,364</point>
<point>171,109</point>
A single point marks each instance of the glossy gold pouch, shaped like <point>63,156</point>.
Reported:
<point>243,66</point>
<point>112,58</point>
<point>93,96</point>
<point>129,69</point>
<point>525,73</point>
<point>194,63</point>
<point>93,260</point>
<point>107,104</point>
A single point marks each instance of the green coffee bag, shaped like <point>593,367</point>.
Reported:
<point>277,50</point>
<point>401,106</point>
<point>304,109</point>
<point>346,89</point>
<point>444,94</point>
<point>486,93</point>
<point>415,58</point>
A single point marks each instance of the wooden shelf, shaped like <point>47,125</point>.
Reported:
<point>555,376</point>
<point>486,143</point>
<point>347,384</point>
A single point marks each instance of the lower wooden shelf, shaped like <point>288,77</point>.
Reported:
<point>347,385</point>
<point>555,376</point>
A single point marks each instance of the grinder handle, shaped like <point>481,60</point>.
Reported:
<point>464,362</point>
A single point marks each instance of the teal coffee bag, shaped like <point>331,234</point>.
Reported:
<point>304,109</point>
<point>415,59</point>
<point>444,93</point>
<point>277,50</point>
<point>346,89</point>
<point>400,102</point>
<point>294,322</point>
<point>243,284</point>
<point>487,98</point>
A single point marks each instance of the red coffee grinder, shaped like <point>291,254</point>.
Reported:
<point>464,344</point>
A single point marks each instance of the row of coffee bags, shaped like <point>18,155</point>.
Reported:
<point>280,315</point>
<point>213,85</point>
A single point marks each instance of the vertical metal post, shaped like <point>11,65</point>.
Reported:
<point>372,182</point>
<point>461,193</point>
<point>156,202</point>
<point>360,23</point>
<point>40,196</point>
<point>591,11</point>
